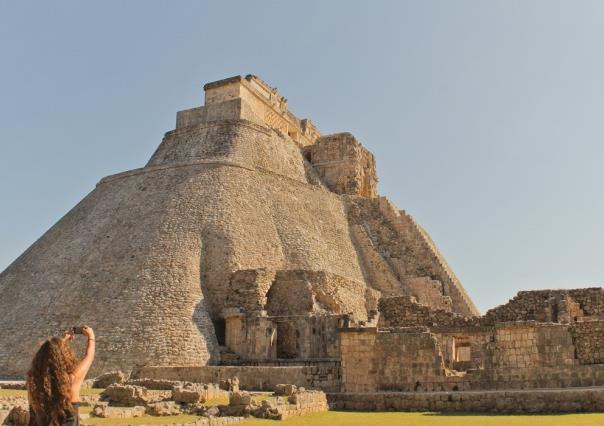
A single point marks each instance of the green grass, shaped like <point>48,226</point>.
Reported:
<point>11,392</point>
<point>145,420</point>
<point>342,418</point>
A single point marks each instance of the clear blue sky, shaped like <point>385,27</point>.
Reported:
<point>485,117</point>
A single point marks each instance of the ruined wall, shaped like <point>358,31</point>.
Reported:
<point>299,292</point>
<point>403,311</point>
<point>550,306</point>
<point>257,378</point>
<point>247,289</point>
<point>344,165</point>
<point>262,338</point>
<point>588,338</point>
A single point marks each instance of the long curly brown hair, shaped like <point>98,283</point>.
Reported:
<point>48,383</point>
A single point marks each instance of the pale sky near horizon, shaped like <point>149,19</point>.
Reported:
<point>485,117</point>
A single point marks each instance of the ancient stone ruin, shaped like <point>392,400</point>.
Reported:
<point>252,246</point>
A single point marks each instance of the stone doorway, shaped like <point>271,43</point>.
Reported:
<point>287,341</point>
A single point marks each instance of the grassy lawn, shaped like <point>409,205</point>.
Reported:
<point>341,418</point>
<point>145,420</point>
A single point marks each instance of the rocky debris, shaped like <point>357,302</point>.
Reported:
<point>15,385</point>
<point>104,410</point>
<point>189,393</point>
<point>212,412</point>
<point>126,395</point>
<point>155,384</point>
<point>194,409</point>
<point>241,404</point>
<point>285,389</point>
<point>3,416</point>
<point>88,400</point>
<point>18,416</point>
<point>108,379</point>
<point>230,385</point>
<point>14,410</point>
<point>268,410</point>
<point>164,408</point>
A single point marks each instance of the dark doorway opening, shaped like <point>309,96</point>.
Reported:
<point>287,341</point>
<point>220,330</point>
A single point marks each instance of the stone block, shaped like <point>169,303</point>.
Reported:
<point>188,393</point>
<point>107,379</point>
<point>163,408</point>
<point>126,395</point>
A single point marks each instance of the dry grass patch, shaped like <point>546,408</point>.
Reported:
<point>343,418</point>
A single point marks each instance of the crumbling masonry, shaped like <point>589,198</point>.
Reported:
<point>252,245</point>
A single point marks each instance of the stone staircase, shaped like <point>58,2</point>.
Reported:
<point>399,220</point>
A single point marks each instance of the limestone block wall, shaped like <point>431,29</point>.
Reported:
<point>300,292</point>
<point>251,336</point>
<point>344,164</point>
<point>450,338</point>
<point>398,359</point>
<point>248,288</point>
<point>551,306</point>
<point>264,102</point>
<point>523,345</point>
<point>260,378</point>
<point>237,142</point>
<point>403,311</point>
<point>519,401</point>
<point>588,338</point>
<point>262,338</point>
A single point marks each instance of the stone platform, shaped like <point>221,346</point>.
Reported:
<point>570,400</point>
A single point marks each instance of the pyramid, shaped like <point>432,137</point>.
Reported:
<point>243,206</point>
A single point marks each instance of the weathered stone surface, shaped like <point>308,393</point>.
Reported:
<point>188,394</point>
<point>126,395</point>
<point>285,389</point>
<point>106,411</point>
<point>163,408</point>
<point>519,401</point>
<point>230,385</point>
<point>240,398</point>
<point>107,379</point>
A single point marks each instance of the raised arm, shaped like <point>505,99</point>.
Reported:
<point>82,368</point>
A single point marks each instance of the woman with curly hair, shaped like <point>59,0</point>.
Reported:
<point>55,379</point>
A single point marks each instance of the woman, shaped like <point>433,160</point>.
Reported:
<point>55,379</point>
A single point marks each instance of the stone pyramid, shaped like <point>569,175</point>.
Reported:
<point>243,206</point>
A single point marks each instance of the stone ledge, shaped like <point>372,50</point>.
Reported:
<point>504,401</point>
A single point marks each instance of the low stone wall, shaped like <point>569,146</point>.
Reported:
<point>324,377</point>
<point>533,401</point>
<point>303,403</point>
<point>534,378</point>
